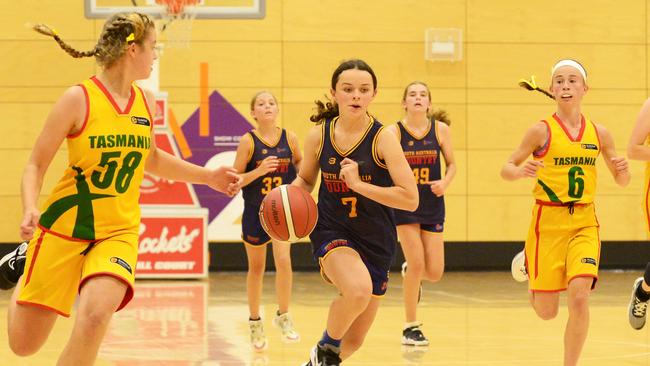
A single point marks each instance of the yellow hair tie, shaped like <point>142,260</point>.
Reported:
<point>54,32</point>
<point>130,38</point>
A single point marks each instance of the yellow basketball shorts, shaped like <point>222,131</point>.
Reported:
<point>57,267</point>
<point>563,243</point>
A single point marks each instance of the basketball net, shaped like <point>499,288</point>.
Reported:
<point>176,23</point>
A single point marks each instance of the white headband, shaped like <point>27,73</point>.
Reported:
<point>573,64</point>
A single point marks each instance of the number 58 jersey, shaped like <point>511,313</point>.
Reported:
<point>569,172</point>
<point>97,197</point>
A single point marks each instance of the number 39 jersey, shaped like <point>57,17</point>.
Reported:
<point>97,197</point>
<point>569,172</point>
<point>255,192</point>
<point>423,156</point>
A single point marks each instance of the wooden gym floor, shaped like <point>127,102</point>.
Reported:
<point>479,318</point>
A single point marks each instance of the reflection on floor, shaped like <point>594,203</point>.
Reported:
<point>480,318</point>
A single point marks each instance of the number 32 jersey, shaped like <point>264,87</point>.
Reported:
<point>569,172</point>
<point>97,197</point>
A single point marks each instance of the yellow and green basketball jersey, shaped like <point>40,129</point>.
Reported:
<point>569,172</point>
<point>97,197</point>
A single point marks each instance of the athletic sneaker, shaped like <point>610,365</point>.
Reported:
<point>258,339</point>
<point>412,336</point>
<point>636,310</point>
<point>404,276</point>
<point>12,266</point>
<point>285,323</point>
<point>518,267</point>
<point>326,355</point>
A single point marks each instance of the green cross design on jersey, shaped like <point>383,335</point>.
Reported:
<point>84,227</point>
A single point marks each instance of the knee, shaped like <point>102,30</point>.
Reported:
<point>415,268</point>
<point>95,320</point>
<point>579,300</point>
<point>435,274</point>
<point>23,347</point>
<point>256,269</point>
<point>358,297</point>
<point>283,263</point>
<point>546,312</point>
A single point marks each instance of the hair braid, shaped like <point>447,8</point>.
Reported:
<point>47,31</point>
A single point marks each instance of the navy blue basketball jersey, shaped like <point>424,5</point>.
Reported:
<point>423,156</point>
<point>345,214</point>
<point>285,173</point>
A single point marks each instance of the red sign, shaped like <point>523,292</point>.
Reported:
<point>173,246</point>
<point>160,114</point>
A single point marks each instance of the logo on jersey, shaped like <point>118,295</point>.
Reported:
<point>265,151</point>
<point>411,143</point>
<point>588,261</point>
<point>426,142</point>
<point>589,146</point>
<point>384,286</point>
<point>332,161</point>
<point>122,263</point>
<point>140,121</point>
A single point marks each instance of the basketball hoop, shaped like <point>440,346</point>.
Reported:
<point>176,23</point>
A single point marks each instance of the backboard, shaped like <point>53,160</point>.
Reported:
<point>208,9</point>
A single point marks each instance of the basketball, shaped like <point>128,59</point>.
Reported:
<point>288,213</point>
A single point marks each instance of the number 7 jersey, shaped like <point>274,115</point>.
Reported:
<point>97,197</point>
<point>569,172</point>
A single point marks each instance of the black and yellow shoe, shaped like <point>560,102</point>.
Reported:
<point>12,266</point>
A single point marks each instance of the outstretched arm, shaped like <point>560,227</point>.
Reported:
<point>224,179</point>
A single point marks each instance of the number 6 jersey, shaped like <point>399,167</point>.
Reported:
<point>97,197</point>
<point>569,172</point>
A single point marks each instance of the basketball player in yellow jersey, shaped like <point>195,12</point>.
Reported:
<point>562,250</point>
<point>85,240</point>
<point>638,149</point>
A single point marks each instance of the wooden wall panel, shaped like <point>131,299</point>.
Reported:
<point>295,48</point>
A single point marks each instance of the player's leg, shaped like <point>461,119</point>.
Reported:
<point>354,337</point>
<point>28,326</point>
<point>582,261</point>
<point>638,306</point>
<point>100,297</point>
<point>256,255</point>
<point>545,304</point>
<point>283,285</point>
<point>578,323</point>
<point>107,280</point>
<point>47,288</point>
<point>344,268</point>
<point>434,252</point>
<point>413,248</point>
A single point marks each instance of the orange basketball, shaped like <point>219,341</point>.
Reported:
<point>288,213</point>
